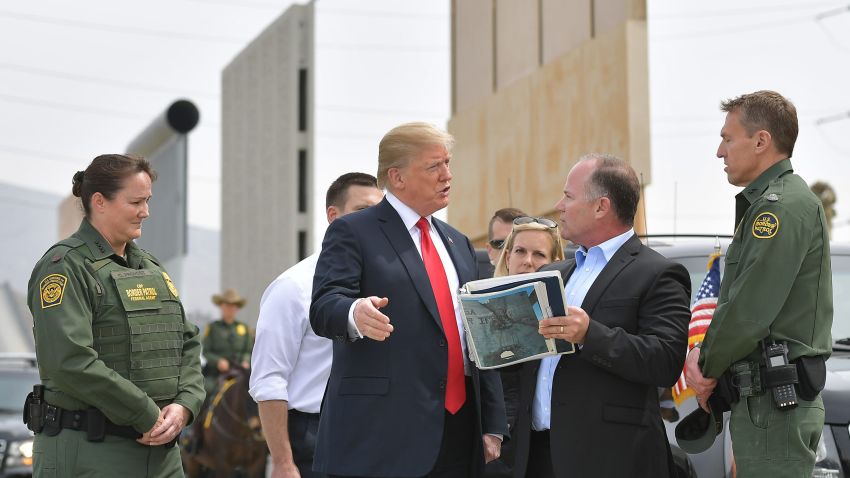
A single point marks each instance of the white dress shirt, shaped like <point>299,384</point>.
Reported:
<point>410,217</point>
<point>290,362</point>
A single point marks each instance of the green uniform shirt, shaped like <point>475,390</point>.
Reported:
<point>778,281</point>
<point>79,319</point>
<point>231,342</point>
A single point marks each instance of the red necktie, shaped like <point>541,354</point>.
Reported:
<point>455,385</point>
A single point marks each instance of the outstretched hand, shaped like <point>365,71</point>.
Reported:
<point>370,321</point>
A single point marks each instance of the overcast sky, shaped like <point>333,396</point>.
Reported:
<point>82,78</point>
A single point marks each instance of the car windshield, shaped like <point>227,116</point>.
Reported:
<point>840,289</point>
<point>14,387</point>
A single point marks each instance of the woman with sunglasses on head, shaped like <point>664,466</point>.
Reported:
<point>532,243</point>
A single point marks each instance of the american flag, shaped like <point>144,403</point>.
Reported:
<point>701,312</point>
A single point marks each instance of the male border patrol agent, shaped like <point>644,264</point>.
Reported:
<point>776,293</point>
<point>227,342</point>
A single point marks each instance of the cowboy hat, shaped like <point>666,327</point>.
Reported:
<point>230,296</point>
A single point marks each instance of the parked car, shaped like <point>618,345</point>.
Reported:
<point>18,373</point>
<point>833,454</point>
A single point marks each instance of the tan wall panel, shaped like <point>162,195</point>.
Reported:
<point>517,40</point>
<point>638,97</point>
<point>532,132</point>
<point>608,14</point>
<point>566,24</point>
<point>472,55</point>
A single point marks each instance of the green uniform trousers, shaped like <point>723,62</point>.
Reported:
<point>70,454</point>
<point>773,443</point>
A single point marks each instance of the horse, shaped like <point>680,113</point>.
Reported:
<point>227,436</point>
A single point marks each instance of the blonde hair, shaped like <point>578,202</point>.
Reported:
<point>557,251</point>
<point>404,142</point>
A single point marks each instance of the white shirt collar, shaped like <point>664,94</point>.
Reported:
<point>408,216</point>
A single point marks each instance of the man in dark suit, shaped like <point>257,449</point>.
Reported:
<point>402,400</point>
<point>596,412</point>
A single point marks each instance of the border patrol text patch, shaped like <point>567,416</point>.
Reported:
<point>765,226</point>
<point>52,289</point>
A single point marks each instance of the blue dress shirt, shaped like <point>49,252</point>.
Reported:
<point>589,263</point>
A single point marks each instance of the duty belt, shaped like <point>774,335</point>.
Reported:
<point>91,421</point>
<point>752,378</point>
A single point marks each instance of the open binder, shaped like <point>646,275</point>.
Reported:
<point>501,315</point>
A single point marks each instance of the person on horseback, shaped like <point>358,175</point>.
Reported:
<point>227,346</point>
<point>227,341</point>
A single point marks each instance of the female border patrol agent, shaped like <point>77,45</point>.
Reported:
<point>119,363</point>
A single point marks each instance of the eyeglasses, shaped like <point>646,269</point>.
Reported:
<point>539,220</point>
<point>497,243</point>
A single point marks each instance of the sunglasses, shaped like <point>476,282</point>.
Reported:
<point>539,220</point>
<point>497,243</point>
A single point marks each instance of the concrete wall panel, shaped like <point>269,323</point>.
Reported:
<point>472,52</point>
<point>530,134</point>
<point>517,40</point>
<point>565,25</point>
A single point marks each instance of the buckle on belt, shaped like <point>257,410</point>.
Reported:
<point>746,378</point>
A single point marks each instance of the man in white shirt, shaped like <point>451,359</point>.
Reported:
<point>291,364</point>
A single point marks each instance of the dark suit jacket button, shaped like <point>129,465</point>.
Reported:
<point>442,342</point>
<point>442,384</point>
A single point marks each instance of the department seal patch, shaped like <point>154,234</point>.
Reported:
<point>52,289</point>
<point>765,226</point>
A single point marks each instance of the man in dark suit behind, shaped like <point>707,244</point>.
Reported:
<point>595,412</point>
<point>402,400</point>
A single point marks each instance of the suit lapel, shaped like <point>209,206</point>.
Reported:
<point>623,257</point>
<point>566,268</point>
<point>399,238</point>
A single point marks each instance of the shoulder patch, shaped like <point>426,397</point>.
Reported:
<point>170,284</point>
<point>765,226</point>
<point>52,289</point>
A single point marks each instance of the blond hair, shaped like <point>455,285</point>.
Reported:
<point>404,142</point>
<point>557,250</point>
